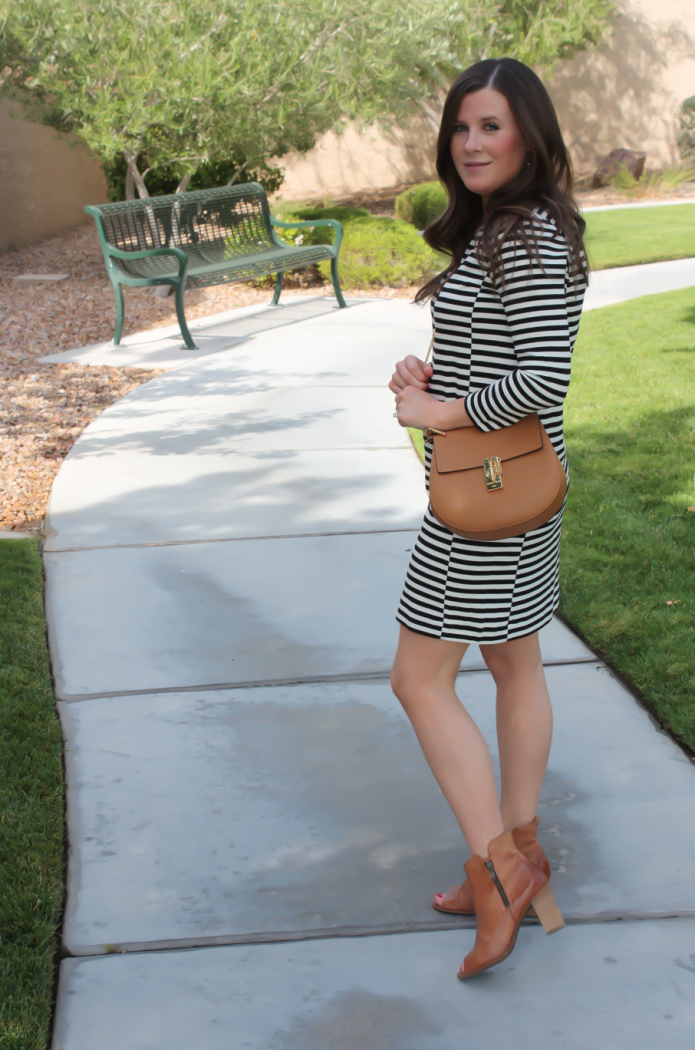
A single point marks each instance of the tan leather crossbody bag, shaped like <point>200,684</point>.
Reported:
<point>488,486</point>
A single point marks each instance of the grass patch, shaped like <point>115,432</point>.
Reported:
<point>418,442</point>
<point>628,544</point>
<point>630,236</point>
<point>31,805</point>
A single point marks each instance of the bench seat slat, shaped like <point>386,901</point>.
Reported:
<point>240,268</point>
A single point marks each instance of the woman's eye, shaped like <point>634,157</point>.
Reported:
<point>494,127</point>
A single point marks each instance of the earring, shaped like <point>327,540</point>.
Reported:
<point>529,158</point>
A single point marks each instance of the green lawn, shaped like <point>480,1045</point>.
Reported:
<point>628,549</point>
<point>31,806</point>
<point>627,237</point>
<point>628,543</point>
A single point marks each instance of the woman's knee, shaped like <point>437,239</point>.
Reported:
<point>413,689</point>
<point>404,683</point>
<point>509,661</point>
<point>423,667</point>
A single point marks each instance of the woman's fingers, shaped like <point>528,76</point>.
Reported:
<point>415,368</point>
<point>409,372</point>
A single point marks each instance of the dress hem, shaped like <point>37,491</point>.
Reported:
<point>510,636</point>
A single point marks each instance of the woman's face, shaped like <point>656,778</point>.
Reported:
<point>486,146</point>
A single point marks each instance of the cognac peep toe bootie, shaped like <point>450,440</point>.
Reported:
<point>503,887</point>
<point>458,900</point>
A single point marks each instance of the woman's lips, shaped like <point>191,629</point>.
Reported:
<point>476,163</point>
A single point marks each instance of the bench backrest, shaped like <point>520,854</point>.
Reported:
<point>236,217</point>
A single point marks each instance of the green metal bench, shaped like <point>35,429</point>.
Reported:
<point>205,237</point>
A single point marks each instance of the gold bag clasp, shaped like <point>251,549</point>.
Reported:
<point>493,473</point>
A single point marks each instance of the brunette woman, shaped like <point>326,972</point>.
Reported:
<point>505,315</point>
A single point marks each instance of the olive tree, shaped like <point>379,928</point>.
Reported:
<point>177,84</point>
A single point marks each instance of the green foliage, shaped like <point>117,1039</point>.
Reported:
<point>375,251</point>
<point>317,234</point>
<point>686,138</point>
<point>183,83</point>
<point>421,204</point>
<point>630,236</point>
<point>653,183</point>
<point>380,251</point>
<point>628,546</point>
<point>31,805</point>
<point>164,179</point>
<point>543,31</point>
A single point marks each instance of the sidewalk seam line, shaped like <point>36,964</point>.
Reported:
<point>342,932</point>
<point>230,539</point>
<point>266,683</point>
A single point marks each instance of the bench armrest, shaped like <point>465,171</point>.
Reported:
<point>313,222</point>
<point>146,253</point>
<point>151,253</point>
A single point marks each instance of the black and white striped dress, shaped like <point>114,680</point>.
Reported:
<point>507,349</point>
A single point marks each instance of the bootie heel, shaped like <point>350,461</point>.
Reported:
<point>458,900</point>
<point>547,910</point>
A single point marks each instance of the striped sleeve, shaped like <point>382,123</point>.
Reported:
<point>534,299</point>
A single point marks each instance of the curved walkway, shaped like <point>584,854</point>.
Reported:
<point>225,551</point>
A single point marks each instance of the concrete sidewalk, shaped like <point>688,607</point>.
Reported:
<point>254,835</point>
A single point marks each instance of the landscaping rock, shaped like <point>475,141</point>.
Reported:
<point>608,168</point>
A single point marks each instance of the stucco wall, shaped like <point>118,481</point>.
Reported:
<point>625,93</point>
<point>361,161</point>
<point>44,181</point>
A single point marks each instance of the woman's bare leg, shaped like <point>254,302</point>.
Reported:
<point>423,679</point>
<point>524,725</point>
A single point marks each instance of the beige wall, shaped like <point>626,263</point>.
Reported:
<point>44,181</point>
<point>361,161</point>
<point>624,94</point>
<point>627,92</point>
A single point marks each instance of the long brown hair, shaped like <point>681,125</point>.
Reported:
<point>546,180</point>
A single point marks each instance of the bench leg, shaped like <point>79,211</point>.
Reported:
<point>120,313</point>
<point>178,298</point>
<point>336,284</point>
<point>278,289</point>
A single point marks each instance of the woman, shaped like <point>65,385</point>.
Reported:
<point>505,315</point>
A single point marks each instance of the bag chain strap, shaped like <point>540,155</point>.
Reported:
<point>429,432</point>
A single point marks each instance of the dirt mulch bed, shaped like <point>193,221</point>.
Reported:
<point>44,408</point>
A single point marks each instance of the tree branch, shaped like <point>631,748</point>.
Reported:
<point>135,176</point>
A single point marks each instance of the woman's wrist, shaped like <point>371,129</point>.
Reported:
<point>452,414</point>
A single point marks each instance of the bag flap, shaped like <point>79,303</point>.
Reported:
<point>467,447</point>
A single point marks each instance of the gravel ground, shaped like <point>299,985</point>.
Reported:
<point>44,408</point>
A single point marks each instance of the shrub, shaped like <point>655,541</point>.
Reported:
<point>380,251</point>
<point>686,139</point>
<point>421,204</point>
<point>319,234</point>
<point>652,183</point>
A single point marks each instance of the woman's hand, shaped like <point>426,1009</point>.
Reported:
<point>411,372</point>
<point>417,408</point>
